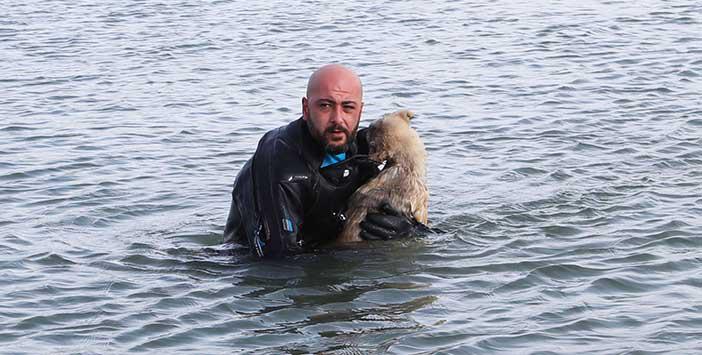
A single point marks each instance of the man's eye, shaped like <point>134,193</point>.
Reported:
<point>349,107</point>
<point>325,105</point>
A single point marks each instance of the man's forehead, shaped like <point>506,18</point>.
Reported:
<point>337,98</point>
<point>349,87</point>
<point>334,79</point>
<point>336,93</point>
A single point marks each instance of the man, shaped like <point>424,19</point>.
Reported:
<point>291,195</point>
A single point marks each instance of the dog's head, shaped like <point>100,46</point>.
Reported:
<point>391,138</point>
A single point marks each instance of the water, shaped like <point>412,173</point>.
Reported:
<point>565,164</point>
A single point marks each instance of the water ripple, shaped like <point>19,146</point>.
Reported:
<point>564,154</point>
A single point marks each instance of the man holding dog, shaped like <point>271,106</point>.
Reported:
<point>291,195</point>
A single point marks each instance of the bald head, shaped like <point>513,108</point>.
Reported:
<point>334,77</point>
<point>332,108</point>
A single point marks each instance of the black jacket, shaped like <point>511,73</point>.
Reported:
<point>283,202</point>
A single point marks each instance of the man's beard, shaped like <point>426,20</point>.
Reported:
<point>328,146</point>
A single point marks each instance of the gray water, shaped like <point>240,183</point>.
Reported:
<point>565,164</point>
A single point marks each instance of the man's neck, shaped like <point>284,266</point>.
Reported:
<point>331,158</point>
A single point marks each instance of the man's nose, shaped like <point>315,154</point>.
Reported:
<point>337,114</point>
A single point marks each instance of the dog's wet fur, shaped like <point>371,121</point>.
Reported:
<point>401,183</point>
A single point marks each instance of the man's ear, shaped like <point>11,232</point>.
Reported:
<point>360,112</point>
<point>305,108</point>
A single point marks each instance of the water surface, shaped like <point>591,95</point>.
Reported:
<point>565,163</point>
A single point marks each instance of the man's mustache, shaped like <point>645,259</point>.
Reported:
<point>337,128</point>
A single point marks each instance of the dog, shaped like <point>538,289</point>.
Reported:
<point>401,182</point>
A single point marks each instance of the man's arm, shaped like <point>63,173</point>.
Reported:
<point>391,224</point>
<point>281,181</point>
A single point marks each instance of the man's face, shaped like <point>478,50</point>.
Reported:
<point>333,111</point>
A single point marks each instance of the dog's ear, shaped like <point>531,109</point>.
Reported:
<point>406,115</point>
<point>371,134</point>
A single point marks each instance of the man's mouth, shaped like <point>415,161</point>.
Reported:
<point>337,132</point>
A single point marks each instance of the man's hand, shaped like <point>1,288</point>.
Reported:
<point>387,224</point>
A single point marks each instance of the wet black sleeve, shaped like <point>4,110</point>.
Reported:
<point>281,185</point>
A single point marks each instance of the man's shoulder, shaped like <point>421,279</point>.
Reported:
<point>289,133</point>
<point>281,145</point>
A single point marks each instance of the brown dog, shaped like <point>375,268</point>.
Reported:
<point>401,183</point>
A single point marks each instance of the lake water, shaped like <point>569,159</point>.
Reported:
<point>565,165</point>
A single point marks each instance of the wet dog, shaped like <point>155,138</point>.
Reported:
<point>401,183</point>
